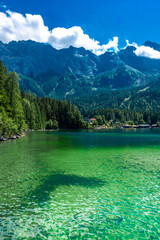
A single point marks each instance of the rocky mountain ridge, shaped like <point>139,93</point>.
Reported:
<point>76,71</point>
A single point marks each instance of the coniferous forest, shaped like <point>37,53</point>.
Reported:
<point>21,111</point>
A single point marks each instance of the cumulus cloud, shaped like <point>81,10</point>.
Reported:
<point>63,38</point>
<point>15,26</point>
<point>111,46</point>
<point>144,51</point>
<point>131,44</point>
<point>149,52</point>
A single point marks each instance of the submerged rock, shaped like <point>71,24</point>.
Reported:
<point>117,219</point>
<point>18,136</point>
<point>3,138</point>
<point>13,137</point>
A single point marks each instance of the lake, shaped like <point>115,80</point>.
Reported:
<point>81,185</point>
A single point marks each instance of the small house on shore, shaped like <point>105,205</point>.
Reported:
<point>144,126</point>
<point>92,119</point>
<point>154,126</point>
<point>127,126</point>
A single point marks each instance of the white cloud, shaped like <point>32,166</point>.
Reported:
<point>63,38</point>
<point>144,51</point>
<point>131,44</point>
<point>112,45</point>
<point>149,52</point>
<point>15,26</point>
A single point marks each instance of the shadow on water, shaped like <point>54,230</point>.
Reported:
<point>48,185</point>
<point>42,192</point>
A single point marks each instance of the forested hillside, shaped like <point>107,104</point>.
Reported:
<point>144,98</point>
<point>21,111</point>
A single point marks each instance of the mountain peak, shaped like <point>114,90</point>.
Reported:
<point>153,45</point>
<point>81,50</point>
<point>130,49</point>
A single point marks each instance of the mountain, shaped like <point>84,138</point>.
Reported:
<point>54,72</point>
<point>153,45</point>
<point>143,64</point>
<point>76,72</point>
<point>31,59</point>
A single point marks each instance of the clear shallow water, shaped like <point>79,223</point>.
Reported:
<point>81,185</point>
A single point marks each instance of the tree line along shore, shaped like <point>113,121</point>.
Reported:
<point>20,111</point>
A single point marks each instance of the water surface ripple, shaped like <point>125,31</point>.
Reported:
<point>81,185</point>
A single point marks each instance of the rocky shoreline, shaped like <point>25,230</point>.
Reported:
<point>3,139</point>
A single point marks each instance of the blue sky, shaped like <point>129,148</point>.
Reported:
<point>135,20</point>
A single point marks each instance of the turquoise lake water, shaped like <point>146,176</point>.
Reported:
<point>81,185</point>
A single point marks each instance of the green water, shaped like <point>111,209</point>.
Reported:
<point>81,185</point>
